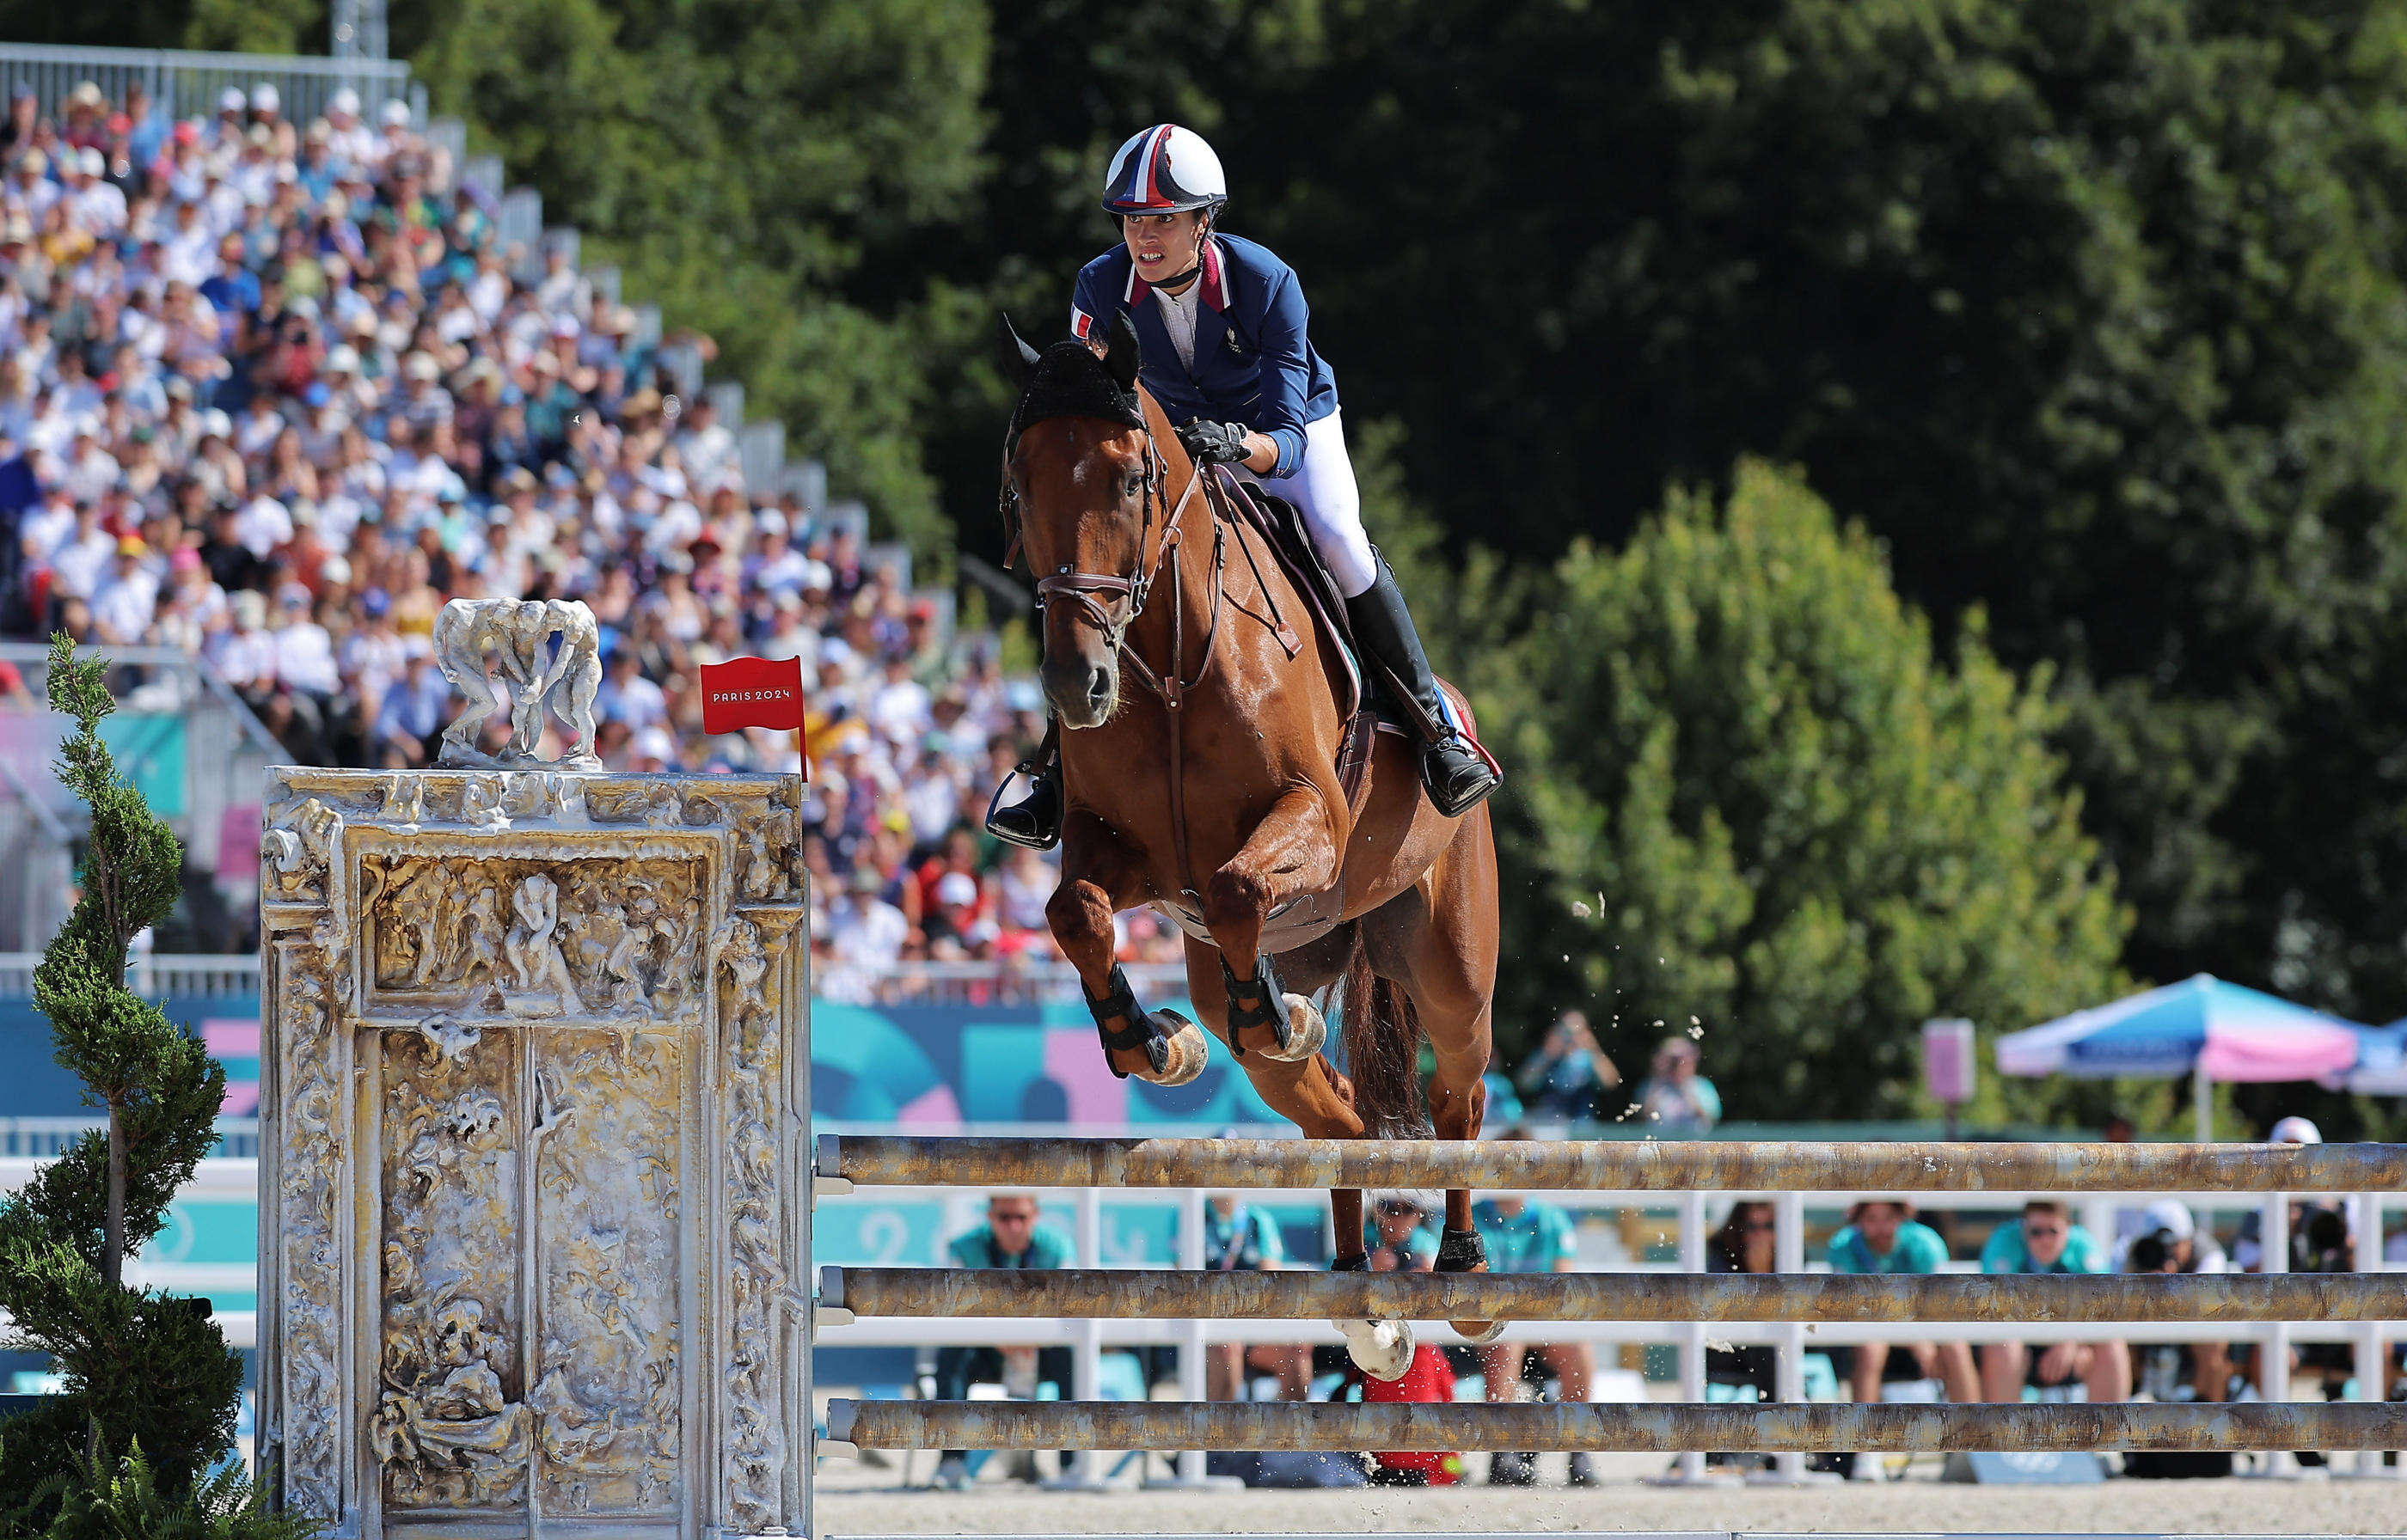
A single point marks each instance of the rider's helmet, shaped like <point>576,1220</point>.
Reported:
<point>1164,170</point>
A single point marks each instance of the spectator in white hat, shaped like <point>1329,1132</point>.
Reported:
<point>95,204</point>
<point>266,102</point>
<point>225,134</point>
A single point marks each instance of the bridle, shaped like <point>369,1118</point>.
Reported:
<point>1123,595</point>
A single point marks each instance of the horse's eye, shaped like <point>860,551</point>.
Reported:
<point>1135,482</point>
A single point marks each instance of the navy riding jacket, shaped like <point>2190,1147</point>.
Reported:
<point>1254,362</point>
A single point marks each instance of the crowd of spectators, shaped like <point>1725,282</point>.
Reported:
<point>272,393</point>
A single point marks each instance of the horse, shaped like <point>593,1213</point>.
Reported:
<point>1201,699</point>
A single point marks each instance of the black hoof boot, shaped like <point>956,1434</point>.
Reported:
<point>1463,1252</point>
<point>1295,1025</point>
<point>1034,820</point>
<point>1174,1049</point>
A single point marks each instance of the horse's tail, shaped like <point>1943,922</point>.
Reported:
<point>1382,1034</point>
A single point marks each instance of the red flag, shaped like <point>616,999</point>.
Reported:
<point>752,692</point>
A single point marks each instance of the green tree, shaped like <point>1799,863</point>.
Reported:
<point>1749,798</point>
<point>142,1367</point>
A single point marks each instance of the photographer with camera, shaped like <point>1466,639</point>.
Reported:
<point>2171,1244</point>
<point>2320,1242</point>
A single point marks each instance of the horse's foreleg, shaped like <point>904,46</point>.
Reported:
<point>1100,876</point>
<point>1290,853</point>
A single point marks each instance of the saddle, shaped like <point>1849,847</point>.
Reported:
<point>1367,711</point>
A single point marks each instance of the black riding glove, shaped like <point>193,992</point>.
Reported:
<point>1214,443</point>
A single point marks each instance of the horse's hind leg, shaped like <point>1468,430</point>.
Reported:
<point>1100,876</point>
<point>1439,940</point>
<point>1319,1101</point>
<point>1290,852</point>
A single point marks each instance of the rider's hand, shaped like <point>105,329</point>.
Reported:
<point>1214,443</point>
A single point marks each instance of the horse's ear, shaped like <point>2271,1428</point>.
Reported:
<point>1121,359</point>
<point>1018,359</point>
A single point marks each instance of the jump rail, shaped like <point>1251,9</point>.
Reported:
<point>1114,1294</point>
<point>1667,1428</point>
<point>910,1161</point>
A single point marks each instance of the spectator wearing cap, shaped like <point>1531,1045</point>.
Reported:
<point>128,597</point>
<point>95,204</point>
<point>2169,1242</point>
<point>2322,1240</point>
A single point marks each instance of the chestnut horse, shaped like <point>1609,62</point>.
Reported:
<point>1200,699</point>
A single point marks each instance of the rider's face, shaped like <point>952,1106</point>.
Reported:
<point>1164,245</point>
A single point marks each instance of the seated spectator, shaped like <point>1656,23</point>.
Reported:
<point>2171,1243</point>
<point>1675,1099</point>
<point>1010,1238</point>
<point>1522,1237</point>
<point>1240,1237</point>
<point>2046,1241</point>
<point>2321,1241</point>
<point>1744,1243</point>
<point>1882,1235</point>
<point>1569,1076</point>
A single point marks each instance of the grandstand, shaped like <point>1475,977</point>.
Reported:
<point>283,368</point>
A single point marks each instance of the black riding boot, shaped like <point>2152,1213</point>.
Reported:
<point>1457,775</point>
<point>1034,820</point>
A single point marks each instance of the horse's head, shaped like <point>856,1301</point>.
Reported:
<point>1082,479</point>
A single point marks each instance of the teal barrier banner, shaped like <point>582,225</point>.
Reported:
<point>924,1068</point>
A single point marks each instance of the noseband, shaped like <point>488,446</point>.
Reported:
<point>1123,595</point>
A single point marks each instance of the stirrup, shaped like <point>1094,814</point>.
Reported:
<point>1455,804</point>
<point>1038,835</point>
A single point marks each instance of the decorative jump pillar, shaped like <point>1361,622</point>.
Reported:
<point>533,1222</point>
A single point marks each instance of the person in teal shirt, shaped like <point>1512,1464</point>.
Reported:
<point>1010,1238</point>
<point>1522,1237</point>
<point>1241,1238</point>
<point>2046,1241</point>
<point>1884,1237</point>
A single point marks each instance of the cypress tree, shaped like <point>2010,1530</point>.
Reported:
<point>148,1376</point>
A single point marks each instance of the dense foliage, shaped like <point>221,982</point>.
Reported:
<point>142,1368</point>
<point>1758,809</point>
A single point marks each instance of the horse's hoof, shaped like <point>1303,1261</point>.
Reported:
<point>1478,1333</point>
<point>1305,1032</point>
<point>1381,1349</point>
<point>1185,1051</point>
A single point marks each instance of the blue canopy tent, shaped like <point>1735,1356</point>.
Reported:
<point>2201,1026</point>
<point>2381,1067</point>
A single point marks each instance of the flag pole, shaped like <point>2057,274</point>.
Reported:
<point>2201,1095</point>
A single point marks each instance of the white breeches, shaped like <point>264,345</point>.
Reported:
<point>1323,490</point>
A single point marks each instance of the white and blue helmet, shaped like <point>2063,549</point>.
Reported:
<point>1164,170</point>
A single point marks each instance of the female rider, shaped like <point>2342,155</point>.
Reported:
<point>1221,323</point>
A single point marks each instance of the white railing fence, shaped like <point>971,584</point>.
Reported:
<point>184,83</point>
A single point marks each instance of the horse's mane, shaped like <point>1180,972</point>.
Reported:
<point>1069,381</point>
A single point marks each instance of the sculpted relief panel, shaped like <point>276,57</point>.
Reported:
<point>451,1425</point>
<point>529,1118</point>
<point>526,937</point>
<point>608,1394</point>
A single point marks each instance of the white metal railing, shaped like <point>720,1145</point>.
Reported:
<point>186,84</point>
<point>169,976</point>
